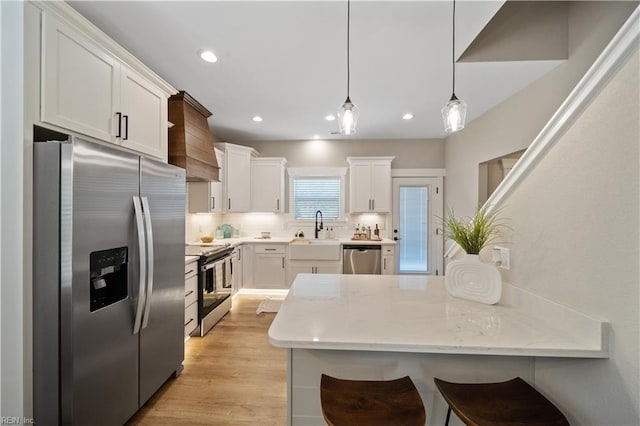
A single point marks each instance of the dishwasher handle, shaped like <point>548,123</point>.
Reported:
<point>362,247</point>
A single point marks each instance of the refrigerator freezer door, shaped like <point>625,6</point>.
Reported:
<point>162,340</point>
<point>101,375</point>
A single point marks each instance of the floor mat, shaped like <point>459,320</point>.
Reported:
<point>269,305</point>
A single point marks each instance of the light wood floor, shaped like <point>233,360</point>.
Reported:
<point>232,376</point>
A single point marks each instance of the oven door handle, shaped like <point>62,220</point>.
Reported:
<point>212,265</point>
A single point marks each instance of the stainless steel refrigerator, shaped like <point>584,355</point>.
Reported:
<point>108,281</point>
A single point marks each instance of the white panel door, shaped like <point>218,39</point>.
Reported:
<point>266,186</point>
<point>381,187</point>
<point>80,82</point>
<point>238,181</point>
<point>360,187</point>
<point>144,114</point>
<point>270,271</point>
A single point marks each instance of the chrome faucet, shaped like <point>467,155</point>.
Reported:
<point>320,228</point>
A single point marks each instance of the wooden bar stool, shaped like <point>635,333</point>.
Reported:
<point>513,402</point>
<point>366,402</point>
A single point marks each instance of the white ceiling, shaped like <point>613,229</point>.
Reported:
<point>286,61</point>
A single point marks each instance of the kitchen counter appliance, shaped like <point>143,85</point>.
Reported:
<point>108,297</point>
<point>361,259</point>
<point>214,284</point>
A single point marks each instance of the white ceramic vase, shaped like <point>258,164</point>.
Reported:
<point>469,278</point>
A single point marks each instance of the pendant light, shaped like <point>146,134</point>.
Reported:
<point>454,112</point>
<point>348,112</point>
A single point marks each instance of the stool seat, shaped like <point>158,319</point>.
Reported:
<point>366,402</point>
<point>509,403</point>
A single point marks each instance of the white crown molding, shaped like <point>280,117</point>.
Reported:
<point>613,57</point>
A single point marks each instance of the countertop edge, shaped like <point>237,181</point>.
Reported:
<point>450,350</point>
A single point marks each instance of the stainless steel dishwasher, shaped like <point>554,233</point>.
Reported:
<point>361,259</point>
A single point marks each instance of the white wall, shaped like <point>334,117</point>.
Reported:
<point>409,153</point>
<point>12,388</point>
<point>513,124</point>
<point>575,240</point>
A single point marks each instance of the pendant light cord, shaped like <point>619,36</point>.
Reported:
<point>453,48</point>
<point>348,44</point>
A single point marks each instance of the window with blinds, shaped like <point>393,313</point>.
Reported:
<point>316,193</point>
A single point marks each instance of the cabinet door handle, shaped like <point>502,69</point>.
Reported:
<point>188,322</point>
<point>278,205</point>
<point>229,204</point>
<point>213,203</point>
<point>119,115</point>
<point>373,204</point>
<point>126,127</point>
<point>269,249</point>
<point>189,271</point>
<point>283,263</point>
<point>384,263</point>
<point>187,294</point>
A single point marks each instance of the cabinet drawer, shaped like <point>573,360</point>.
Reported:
<point>270,248</point>
<point>190,318</point>
<point>388,250</point>
<point>190,290</point>
<point>190,269</point>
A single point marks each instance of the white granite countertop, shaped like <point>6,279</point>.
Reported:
<point>416,314</point>
<point>189,259</point>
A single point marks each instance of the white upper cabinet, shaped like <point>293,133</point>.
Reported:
<point>144,115</point>
<point>80,82</point>
<point>370,184</point>
<point>206,197</point>
<point>237,178</point>
<point>267,184</point>
<point>88,90</point>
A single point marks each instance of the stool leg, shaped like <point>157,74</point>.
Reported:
<point>446,422</point>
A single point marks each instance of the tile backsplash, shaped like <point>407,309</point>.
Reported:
<point>280,225</point>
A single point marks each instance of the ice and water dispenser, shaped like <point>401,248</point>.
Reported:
<point>108,277</point>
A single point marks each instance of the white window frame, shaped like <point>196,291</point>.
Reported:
<point>318,172</point>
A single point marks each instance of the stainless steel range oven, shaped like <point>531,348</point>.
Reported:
<point>214,284</point>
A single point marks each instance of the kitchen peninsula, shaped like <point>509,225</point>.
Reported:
<point>383,327</point>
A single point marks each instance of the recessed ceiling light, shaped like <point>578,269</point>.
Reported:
<point>257,118</point>
<point>330,117</point>
<point>407,116</point>
<point>208,56</point>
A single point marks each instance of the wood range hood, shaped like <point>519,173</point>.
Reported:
<point>190,140</point>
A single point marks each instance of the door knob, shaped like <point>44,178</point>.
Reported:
<point>395,238</point>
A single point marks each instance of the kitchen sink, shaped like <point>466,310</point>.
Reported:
<point>302,249</point>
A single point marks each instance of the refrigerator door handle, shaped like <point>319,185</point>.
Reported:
<point>147,221</point>
<point>142,252</point>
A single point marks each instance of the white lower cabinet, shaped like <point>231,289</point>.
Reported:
<point>190,296</point>
<point>269,266</point>
<point>388,260</point>
<point>313,267</point>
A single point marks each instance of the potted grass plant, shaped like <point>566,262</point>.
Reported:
<point>473,233</point>
<point>468,277</point>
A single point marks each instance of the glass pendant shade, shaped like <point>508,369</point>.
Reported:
<point>348,117</point>
<point>454,114</point>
